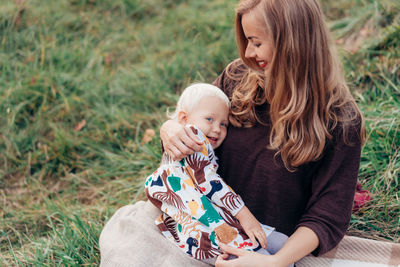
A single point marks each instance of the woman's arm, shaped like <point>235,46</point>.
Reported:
<point>178,141</point>
<point>302,242</point>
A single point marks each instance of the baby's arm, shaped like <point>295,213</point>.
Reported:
<point>215,189</point>
<point>204,167</point>
<point>252,226</point>
<point>225,197</point>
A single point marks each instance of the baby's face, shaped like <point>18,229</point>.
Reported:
<point>211,116</point>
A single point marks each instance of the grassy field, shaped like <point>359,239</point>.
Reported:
<point>82,80</point>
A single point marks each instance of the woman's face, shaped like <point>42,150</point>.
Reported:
<point>260,45</point>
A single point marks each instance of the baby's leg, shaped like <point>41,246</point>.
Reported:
<point>263,251</point>
<point>275,242</point>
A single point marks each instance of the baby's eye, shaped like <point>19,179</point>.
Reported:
<point>224,124</point>
<point>209,119</point>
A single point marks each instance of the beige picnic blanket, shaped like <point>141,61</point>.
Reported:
<point>130,238</point>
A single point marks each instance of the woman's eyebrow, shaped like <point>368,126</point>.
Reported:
<point>251,37</point>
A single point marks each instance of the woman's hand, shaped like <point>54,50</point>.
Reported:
<point>252,227</point>
<point>179,141</point>
<point>245,258</point>
<point>300,243</point>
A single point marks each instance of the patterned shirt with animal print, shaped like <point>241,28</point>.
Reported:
<point>198,207</point>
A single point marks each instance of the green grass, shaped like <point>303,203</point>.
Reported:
<point>113,68</point>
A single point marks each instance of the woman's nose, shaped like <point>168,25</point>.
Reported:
<point>249,53</point>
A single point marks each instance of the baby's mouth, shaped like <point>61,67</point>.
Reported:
<point>213,140</point>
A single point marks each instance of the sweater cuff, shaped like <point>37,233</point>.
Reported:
<point>325,244</point>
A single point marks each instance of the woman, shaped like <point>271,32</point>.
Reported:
<point>293,148</point>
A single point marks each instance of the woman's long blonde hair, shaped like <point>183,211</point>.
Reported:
<point>307,93</point>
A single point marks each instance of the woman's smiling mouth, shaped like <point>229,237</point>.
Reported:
<point>262,64</point>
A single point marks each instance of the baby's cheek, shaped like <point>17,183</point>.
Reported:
<point>223,135</point>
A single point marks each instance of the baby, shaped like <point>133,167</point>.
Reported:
<point>199,209</point>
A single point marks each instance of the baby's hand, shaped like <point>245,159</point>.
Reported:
<point>252,227</point>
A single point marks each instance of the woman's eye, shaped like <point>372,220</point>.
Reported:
<point>257,45</point>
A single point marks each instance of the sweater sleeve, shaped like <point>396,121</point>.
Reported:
<point>329,208</point>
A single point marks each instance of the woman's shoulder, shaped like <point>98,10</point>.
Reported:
<point>231,76</point>
<point>237,66</point>
<point>350,132</point>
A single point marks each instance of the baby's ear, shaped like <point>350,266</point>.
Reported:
<point>182,117</point>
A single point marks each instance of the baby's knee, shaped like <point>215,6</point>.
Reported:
<point>276,240</point>
<point>280,238</point>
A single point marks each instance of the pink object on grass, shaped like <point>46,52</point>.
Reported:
<point>361,198</point>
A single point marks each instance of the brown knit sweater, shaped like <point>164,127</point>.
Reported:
<point>319,195</point>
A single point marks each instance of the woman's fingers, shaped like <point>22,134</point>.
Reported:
<point>222,260</point>
<point>179,141</point>
<point>174,153</point>
<point>231,250</point>
<point>184,145</point>
<point>181,147</point>
<point>191,140</point>
<point>223,256</point>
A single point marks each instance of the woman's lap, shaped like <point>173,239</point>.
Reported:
<point>131,238</point>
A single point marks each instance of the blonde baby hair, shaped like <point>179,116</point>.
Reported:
<point>192,95</point>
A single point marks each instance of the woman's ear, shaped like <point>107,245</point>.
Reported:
<point>182,117</point>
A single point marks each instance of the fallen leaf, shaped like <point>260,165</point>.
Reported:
<point>340,41</point>
<point>80,125</point>
<point>108,59</point>
<point>148,135</point>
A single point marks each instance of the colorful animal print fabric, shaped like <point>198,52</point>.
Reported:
<point>198,207</point>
